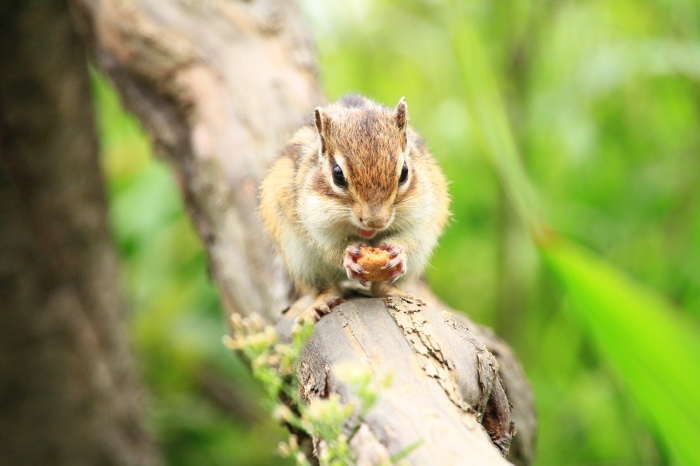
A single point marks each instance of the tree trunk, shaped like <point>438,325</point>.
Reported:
<point>68,391</point>
<point>220,86</point>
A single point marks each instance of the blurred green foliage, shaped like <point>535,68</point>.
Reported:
<point>595,103</point>
<point>660,368</point>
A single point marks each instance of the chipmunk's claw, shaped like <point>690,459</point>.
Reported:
<point>396,274</point>
<point>318,312</point>
<point>393,249</point>
<point>352,268</point>
<point>398,261</point>
<point>321,308</point>
<point>354,251</point>
<point>394,262</point>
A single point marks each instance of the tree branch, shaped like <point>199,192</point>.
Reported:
<point>219,86</point>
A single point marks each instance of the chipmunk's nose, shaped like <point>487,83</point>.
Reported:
<point>375,222</point>
<point>375,217</point>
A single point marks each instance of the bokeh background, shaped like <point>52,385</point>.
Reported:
<point>584,113</point>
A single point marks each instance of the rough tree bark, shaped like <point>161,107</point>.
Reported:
<point>68,391</point>
<point>219,86</point>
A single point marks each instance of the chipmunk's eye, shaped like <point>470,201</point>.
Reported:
<point>338,177</point>
<point>404,174</point>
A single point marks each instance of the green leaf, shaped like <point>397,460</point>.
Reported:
<point>649,345</point>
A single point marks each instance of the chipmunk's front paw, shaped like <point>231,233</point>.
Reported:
<point>321,307</point>
<point>397,260</point>
<point>353,269</point>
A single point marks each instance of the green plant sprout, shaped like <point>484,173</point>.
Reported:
<point>274,364</point>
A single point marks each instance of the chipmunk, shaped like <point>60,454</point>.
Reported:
<point>354,174</point>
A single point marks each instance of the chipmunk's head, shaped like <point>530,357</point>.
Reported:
<point>364,164</point>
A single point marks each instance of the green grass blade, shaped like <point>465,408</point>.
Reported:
<point>649,346</point>
<point>488,111</point>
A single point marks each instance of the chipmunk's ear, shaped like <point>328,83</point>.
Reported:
<point>401,114</point>
<point>323,125</point>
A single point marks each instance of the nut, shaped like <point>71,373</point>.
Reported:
<point>372,261</point>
